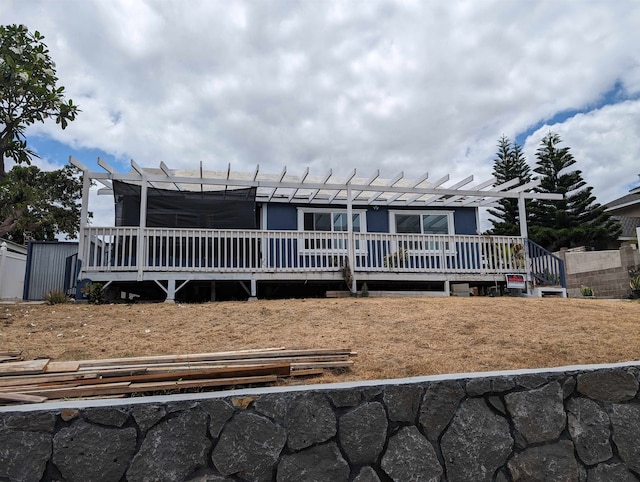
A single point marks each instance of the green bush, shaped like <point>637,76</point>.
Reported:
<point>56,297</point>
<point>586,291</point>
<point>94,293</point>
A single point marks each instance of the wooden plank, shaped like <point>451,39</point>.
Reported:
<point>62,367</point>
<point>125,387</point>
<point>11,353</point>
<point>23,367</point>
<point>21,397</point>
<point>276,369</point>
<point>179,358</point>
<point>307,373</point>
<point>225,363</point>
<point>218,356</point>
<point>304,366</point>
<point>11,381</point>
<point>91,390</point>
<point>152,386</point>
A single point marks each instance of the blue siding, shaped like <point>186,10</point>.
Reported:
<point>281,217</point>
<point>285,217</point>
<point>464,220</point>
<point>378,221</point>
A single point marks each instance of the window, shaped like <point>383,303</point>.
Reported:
<point>422,222</point>
<point>328,220</point>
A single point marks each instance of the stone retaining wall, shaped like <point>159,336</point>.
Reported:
<point>571,424</point>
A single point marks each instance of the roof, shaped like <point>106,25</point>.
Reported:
<point>628,225</point>
<point>303,187</point>
<point>627,200</point>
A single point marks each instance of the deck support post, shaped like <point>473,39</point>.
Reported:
<point>254,290</point>
<point>171,291</point>
<point>522,217</point>
<point>84,215</point>
<point>350,241</point>
<point>447,287</point>
<point>213,291</point>
<point>141,229</point>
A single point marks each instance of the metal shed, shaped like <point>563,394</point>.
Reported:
<point>50,265</point>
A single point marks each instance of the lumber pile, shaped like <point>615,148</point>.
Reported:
<point>39,380</point>
<point>6,356</point>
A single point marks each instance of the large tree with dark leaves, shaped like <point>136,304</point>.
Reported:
<point>29,92</point>
<point>42,203</point>
<point>509,164</point>
<point>576,220</point>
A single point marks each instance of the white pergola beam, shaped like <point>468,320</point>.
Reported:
<point>75,162</point>
<point>390,189</point>
<point>324,182</point>
<point>105,165</point>
<point>302,178</point>
<point>391,183</point>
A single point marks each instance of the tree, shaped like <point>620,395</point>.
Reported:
<point>43,203</point>
<point>28,92</point>
<point>576,220</point>
<point>509,164</point>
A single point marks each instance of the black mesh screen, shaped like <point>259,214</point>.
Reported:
<point>232,209</point>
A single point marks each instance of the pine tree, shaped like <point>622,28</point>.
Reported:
<point>576,220</point>
<point>509,164</point>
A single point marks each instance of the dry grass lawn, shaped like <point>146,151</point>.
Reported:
<point>394,337</point>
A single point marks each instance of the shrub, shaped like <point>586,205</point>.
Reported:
<point>55,297</point>
<point>586,291</point>
<point>94,293</point>
<point>365,290</point>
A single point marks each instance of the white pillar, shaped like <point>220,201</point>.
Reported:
<point>171,291</point>
<point>142,225</point>
<point>84,215</point>
<point>254,290</point>
<point>3,256</point>
<point>522,214</point>
<point>350,241</point>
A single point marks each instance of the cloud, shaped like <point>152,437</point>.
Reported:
<point>605,145</point>
<point>413,86</point>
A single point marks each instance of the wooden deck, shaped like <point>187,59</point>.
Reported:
<point>284,253</point>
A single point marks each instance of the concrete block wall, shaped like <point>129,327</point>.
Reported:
<point>569,424</point>
<point>607,272</point>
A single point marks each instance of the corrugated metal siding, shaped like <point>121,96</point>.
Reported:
<point>46,267</point>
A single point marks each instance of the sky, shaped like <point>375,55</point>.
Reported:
<point>413,86</point>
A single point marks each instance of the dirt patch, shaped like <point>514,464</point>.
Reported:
<point>394,337</point>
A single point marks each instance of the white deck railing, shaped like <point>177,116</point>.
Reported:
<point>116,249</point>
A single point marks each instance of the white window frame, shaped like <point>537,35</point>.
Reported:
<point>416,247</point>
<point>449,214</point>
<point>363,228</point>
<point>361,212</point>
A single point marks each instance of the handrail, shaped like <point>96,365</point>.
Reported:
<point>545,267</point>
<point>230,250</point>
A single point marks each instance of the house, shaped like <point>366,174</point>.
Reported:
<point>626,210</point>
<point>176,229</point>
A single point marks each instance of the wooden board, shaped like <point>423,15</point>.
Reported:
<point>126,387</point>
<point>20,397</point>
<point>35,379</point>
<point>23,367</point>
<point>62,366</point>
<point>221,364</point>
<point>217,356</point>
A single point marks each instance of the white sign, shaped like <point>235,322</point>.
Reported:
<point>516,281</point>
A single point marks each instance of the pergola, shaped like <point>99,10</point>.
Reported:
<point>329,189</point>
<point>303,188</point>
